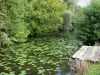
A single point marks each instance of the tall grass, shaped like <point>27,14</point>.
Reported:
<point>94,69</point>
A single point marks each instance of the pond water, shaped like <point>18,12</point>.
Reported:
<point>36,57</point>
<point>63,72</point>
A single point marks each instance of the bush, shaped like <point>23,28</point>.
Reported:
<point>89,26</point>
<point>44,16</point>
<point>16,27</point>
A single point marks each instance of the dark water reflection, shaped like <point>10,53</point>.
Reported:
<point>63,72</point>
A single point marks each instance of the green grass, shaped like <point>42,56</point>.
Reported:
<point>94,69</point>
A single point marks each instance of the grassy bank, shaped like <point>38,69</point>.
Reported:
<point>94,69</point>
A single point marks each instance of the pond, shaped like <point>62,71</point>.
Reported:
<point>63,72</point>
<point>38,57</point>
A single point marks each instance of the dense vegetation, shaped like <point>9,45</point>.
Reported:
<point>89,24</point>
<point>39,36</point>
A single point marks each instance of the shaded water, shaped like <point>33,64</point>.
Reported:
<point>63,72</point>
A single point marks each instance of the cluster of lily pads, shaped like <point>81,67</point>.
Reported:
<point>40,57</point>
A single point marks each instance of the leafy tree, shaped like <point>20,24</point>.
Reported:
<point>17,28</point>
<point>4,40</point>
<point>44,16</point>
<point>89,26</point>
<point>69,18</point>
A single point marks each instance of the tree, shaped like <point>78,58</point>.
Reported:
<point>89,27</point>
<point>44,16</point>
<point>4,39</point>
<point>69,17</point>
<point>17,28</point>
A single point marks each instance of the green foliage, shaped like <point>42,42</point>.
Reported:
<point>70,4</point>
<point>20,33</point>
<point>42,55</point>
<point>89,25</point>
<point>4,40</point>
<point>45,16</point>
<point>37,17</point>
<point>16,27</point>
<point>13,73</point>
<point>69,19</point>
